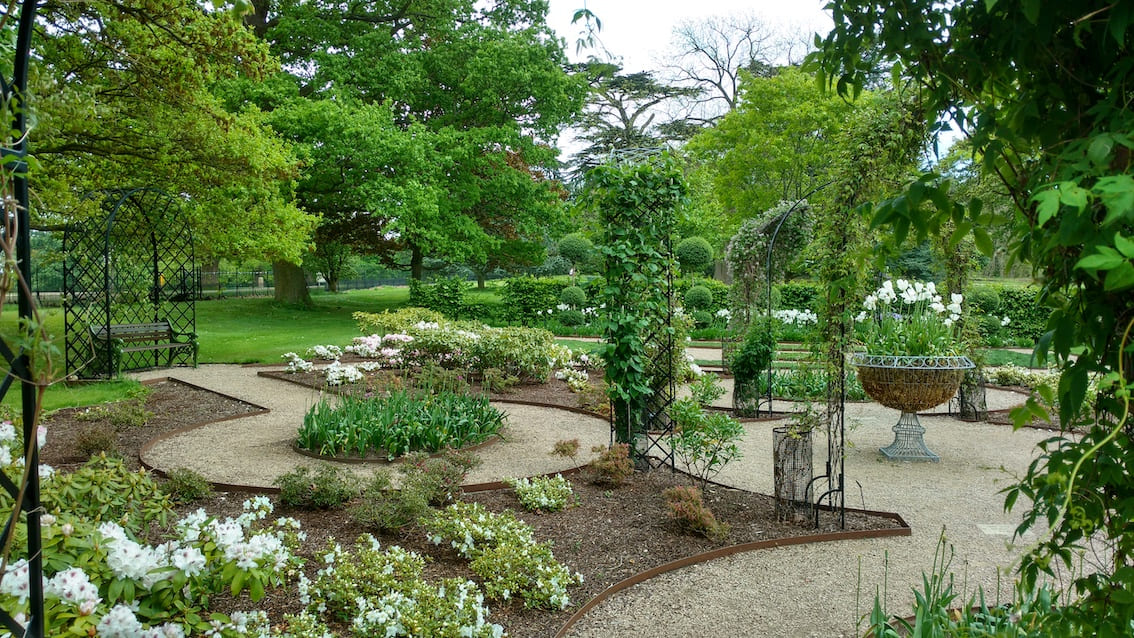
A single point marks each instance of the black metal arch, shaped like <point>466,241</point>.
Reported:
<point>18,362</point>
<point>132,265</point>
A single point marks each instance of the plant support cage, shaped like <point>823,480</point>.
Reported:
<point>131,265</point>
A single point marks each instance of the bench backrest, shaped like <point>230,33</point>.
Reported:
<point>134,331</point>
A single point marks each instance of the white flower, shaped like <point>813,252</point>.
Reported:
<point>903,285</point>
<point>956,298</point>
<point>7,431</point>
<point>1005,321</point>
<point>949,320</point>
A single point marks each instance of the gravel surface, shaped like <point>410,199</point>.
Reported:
<point>818,590</point>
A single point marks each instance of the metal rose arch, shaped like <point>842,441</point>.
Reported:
<point>17,360</point>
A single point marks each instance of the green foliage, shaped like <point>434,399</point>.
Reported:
<point>503,553</point>
<point>575,248</point>
<point>526,297</point>
<point>698,298</point>
<point>801,295</point>
<point>183,485</point>
<point>703,441</point>
<point>401,422</point>
<point>754,356</point>
<point>386,591</point>
<point>623,194</point>
<point>702,318</point>
<point>543,493</point>
<point>612,466</point>
<point>129,413</point>
<point>573,296</point>
<point>687,507</point>
<point>571,318</point>
<point>397,321</point>
<point>747,253</point>
<point>439,478</point>
<point>446,296</point>
<point>910,320</point>
<point>104,489</point>
<point>496,381</point>
<point>1059,142</point>
<point>693,253</point>
<point>326,487</point>
<point>386,509</point>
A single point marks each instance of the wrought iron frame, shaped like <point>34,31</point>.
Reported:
<point>16,219</point>
<point>135,264</point>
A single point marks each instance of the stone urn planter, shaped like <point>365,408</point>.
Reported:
<point>911,385</point>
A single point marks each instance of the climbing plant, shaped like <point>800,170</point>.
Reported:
<point>747,253</point>
<point>636,204</point>
<point>1042,90</point>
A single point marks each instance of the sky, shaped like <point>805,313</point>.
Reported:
<point>639,30</point>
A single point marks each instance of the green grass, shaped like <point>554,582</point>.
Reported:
<point>61,395</point>
<point>1006,357</point>
<point>261,330</point>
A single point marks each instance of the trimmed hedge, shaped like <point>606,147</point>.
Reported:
<point>525,296</point>
<point>801,295</point>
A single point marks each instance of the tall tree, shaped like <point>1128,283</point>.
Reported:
<point>465,96</point>
<point>123,98</point>
<point>1042,90</point>
<point>775,145</point>
<point>622,112</point>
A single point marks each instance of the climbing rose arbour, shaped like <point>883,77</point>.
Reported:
<point>909,318</point>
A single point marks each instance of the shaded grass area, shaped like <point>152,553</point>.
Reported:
<point>63,395</point>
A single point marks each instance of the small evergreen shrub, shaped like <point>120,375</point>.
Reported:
<point>439,478</point>
<point>571,317</point>
<point>526,296</point>
<point>573,296</point>
<point>128,413</point>
<point>325,488</point>
<point>687,507</point>
<point>386,509</point>
<point>693,253</point>
<point>575,248</point>
<point>802,295</point>
<point>702,318</point>
<point>496,380</point>
<point>183,485</point>
<point>105,490</point>
<point>698,298</point>
<point>613,465</point>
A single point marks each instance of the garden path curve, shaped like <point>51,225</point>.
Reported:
<point>807,591</point>
<point>252,451</point>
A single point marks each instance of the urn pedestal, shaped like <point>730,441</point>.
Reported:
<point>910,384</point>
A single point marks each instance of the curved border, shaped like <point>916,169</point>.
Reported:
<point>723,552</point>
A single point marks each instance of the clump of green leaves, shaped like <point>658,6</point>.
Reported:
<point>703,441</point>
<point>98,439</point>
<point>183,485</point>
<point>128,413</point>
<point>497,381</point>
<point>386,509</point>
<point>326,487</point>
<point>104,489</point>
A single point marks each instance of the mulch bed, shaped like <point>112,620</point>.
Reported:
<point>611,535</point>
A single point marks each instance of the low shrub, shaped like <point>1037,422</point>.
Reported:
<point>704,442</point>
<point>573,296</point>
<point>446,296</point>
<point>393,322</point>
<point>98,439</point>
<point>571,317</point>
<point>803,295</point>
<point>183,485</point>
<point>439,478</point>
<point>385,509</point>
<point>401,422</point>
<point>434,379</point>
<point>128,413</point>
<point>698,298</point>
<point>383,592</point>
<point>595,398</point>
<point>543,493</point>
<point>525,297</point>
<point>503,553</point>
<point>687,507</point>
<point>702,319</point>
<point>613,465</point>
<point>566,448</point>
<point>104,489</point>
<point>496,380</point>
<point>325,488</point>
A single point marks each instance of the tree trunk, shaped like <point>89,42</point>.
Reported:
<point>291,284</point>
<point>480,280</point>
<point>417,268</point>
<point>210,276</point>
<point>332,282</point>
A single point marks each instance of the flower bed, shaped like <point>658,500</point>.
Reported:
<point>401,422</point>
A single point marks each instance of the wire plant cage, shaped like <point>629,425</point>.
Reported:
<point>131,265</point>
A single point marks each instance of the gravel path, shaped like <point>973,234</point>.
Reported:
<point>803,591</point>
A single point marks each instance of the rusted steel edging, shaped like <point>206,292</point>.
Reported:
<point>731,550</point>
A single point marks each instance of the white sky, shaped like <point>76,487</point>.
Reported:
<point>640,30</point>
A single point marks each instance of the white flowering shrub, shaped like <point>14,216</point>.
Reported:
<point>577,380</point>
<point>325,353</point>
<point>1015,375</point>
<point>543,493</point>
<point>339,374</point>
<point>793,317</point>
<point>504,554</point>
<point>382,593</point>
<point>296,363</point>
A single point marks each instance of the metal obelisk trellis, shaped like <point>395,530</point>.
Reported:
<point>16,220</point>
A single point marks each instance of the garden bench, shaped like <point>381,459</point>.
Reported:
<point>121,339</point>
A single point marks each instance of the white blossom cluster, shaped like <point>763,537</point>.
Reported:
<point>296,363</point>
<point>911,294</point>
<point>793,317</point>
<point>325,353</point>
<point>338,373</point>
